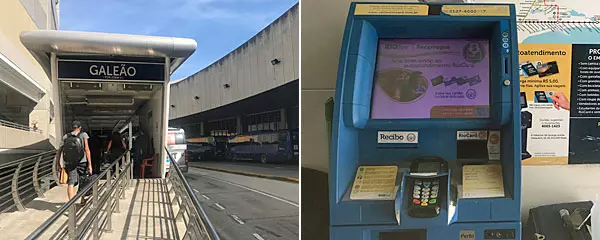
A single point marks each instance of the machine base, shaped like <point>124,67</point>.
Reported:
<point>457,231</point>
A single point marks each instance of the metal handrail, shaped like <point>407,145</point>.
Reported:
<point>198,225</point>
<point>23,179</point>
<point>98,204</point>
<point>18,126</point>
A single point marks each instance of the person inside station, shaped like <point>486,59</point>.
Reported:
<point>96,144</point>
<point>116,147</point>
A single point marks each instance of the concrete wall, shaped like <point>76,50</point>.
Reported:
<point>322,28</point>
<point>14,18</point>
<point>18,138</point>
<point>247,70</point>
<point>151,123</point>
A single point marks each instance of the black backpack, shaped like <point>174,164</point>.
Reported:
<point>72,149</point>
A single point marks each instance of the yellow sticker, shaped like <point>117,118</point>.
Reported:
<point>392,9</point>
<point>476,10</point>
<point>375,183</point>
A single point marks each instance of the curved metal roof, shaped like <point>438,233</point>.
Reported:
<point>43,42</point>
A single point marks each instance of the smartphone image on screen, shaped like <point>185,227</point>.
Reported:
<point>529,70</point>
<point>540,97</point>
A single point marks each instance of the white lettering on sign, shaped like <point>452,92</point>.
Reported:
<point>471,135</point>
<point>466,235</point>
<point>116,70</point>
<point>397,137</point>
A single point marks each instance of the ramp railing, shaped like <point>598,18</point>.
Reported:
<point>105,195</point>
<point>196,222</point>
<point>18,126</point>
<point>25,179</point>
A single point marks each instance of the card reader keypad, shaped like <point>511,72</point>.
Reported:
<point>425,192</point>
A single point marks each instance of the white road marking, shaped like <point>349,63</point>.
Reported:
<point>254,190</point>
<point>258,236</point>
<point>196,190</point>
<point>220,206</point>
<point>204,196</point>
<point>237,219</point>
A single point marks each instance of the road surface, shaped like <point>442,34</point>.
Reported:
<point>254,168</point>
<point>243,207</point>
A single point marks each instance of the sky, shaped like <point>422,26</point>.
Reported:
<point>218,26</point>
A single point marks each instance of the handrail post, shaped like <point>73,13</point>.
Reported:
<point>129,172</point>
<point>71,222</point>
<point>55,163</point>
<point>189,232</point>
<point>15,189</point>
<point>175,193</point>
<point>95,204</point>
<point>117,169</point>
<point>36,183</point>
<point>177,200</point>
<point>116,194</point>
<point>124,180</point>
<point>130,147</point>
<point>108,207</point>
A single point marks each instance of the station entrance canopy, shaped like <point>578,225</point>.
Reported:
<point>107,81</point>
<point>42,43</point>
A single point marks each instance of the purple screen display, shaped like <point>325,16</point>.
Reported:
<point>431,78</point>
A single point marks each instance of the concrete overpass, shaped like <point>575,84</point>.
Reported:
<point>26,102</point>
<point>253,88</point>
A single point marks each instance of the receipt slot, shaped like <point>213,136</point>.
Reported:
<point>426,136</point>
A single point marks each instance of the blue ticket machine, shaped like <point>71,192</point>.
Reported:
<point>426,138</point>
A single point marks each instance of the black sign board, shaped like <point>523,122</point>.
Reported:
<point>110,70</point>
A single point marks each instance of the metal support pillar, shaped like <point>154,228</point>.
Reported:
<point>36,182</point>
<point>15,188</point>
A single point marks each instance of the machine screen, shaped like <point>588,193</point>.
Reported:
<point>428,167</point>
<point>431,78</point>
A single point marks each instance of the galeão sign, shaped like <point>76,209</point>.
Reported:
<point>106,70</point>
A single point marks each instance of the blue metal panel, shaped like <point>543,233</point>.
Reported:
<point>444,233</point>
<point>354,133</point>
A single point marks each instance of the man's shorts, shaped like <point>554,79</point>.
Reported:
<point>75,172</point>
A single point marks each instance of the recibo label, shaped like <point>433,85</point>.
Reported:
<point>397,137</point>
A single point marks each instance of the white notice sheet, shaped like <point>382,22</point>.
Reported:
<point>482,181</point>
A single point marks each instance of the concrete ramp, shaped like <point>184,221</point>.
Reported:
<point>145,212</point>
<point>17,225</point>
